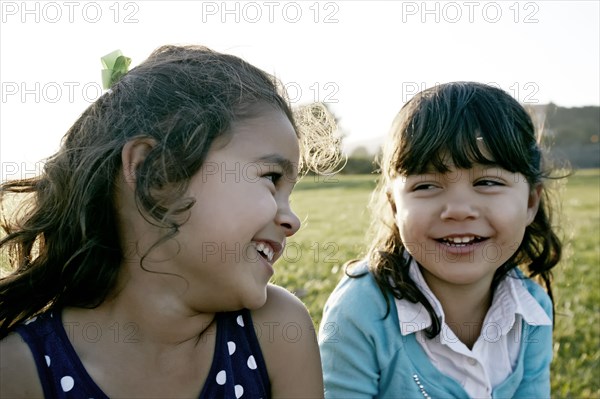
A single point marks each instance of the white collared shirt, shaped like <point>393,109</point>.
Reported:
<point>495,352</point>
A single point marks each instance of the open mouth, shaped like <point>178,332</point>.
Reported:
<point>264,250</point>
<point>461,241</point>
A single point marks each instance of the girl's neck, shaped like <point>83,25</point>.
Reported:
<point>153,313</point>
<point>142,350</point>
<point>465,317</point>
<point>464,309</point>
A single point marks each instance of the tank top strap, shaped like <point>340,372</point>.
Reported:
<point>61,372</point>
<point>239,369</point>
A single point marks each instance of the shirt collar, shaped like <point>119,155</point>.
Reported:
<point>511,297</point>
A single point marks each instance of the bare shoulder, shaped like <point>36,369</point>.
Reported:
<point>288,340</point>
<point>283,321</point>
<point>281,305</point>
<point>18,372</point>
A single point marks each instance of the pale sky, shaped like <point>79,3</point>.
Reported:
<point>363,58</point>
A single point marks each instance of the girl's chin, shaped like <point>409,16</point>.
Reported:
<point>256,302</point>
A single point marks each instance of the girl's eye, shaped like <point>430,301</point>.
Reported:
<point>488,183</point>
<point>273,176</point>
<point>424,186</point>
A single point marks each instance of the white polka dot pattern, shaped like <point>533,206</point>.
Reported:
<point>231,347</point>
<point>251,363</point>
<point>238,371</point>
<point>221,377</point>
<point>239,391</point>
<point>67,383</point>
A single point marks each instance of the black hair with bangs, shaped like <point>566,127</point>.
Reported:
<point>465,123</point>
<point>452,121</point>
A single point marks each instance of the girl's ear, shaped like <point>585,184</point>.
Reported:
<point>133,154</point>
<point>533,203</point>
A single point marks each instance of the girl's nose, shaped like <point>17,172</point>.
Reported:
<point>459,207</point>
<point>288,220</point>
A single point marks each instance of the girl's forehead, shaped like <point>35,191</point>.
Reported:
<point>264,134</point>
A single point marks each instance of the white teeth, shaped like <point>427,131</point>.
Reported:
<point>459,240</point>
<point>265,249</point>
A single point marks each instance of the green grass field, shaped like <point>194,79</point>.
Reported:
<point>335,218</point>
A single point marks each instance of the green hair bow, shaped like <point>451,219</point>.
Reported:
<point>115,66</point>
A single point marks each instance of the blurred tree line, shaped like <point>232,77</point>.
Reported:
<point>570,136</point>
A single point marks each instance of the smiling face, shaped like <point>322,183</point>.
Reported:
<point>461,225</point>
<point>237,228</point>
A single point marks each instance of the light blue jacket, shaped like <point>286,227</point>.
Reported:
<point>364,354</point>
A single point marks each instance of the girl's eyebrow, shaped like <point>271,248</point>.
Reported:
<point>285,164</point>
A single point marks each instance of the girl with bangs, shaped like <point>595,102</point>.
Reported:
<point>445,303</point>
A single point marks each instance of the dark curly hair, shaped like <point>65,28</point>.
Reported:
<point>64,245</point>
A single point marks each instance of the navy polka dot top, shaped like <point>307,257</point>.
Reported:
<point>238,369</point>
